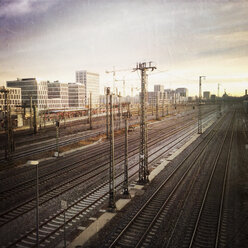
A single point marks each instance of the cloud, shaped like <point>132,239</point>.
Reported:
<point>15,8</point>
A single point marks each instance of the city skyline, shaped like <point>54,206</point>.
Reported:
<point>50,40</point>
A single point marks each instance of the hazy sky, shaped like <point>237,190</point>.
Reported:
<point>51,39</point>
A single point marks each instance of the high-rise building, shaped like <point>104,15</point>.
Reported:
<point>58,95</point>
<point>91,82</point>
<point>76,94</point>
<point>206,95</point>
<point>31,88</point>
<point>182,92</point>
<point>158,87</point>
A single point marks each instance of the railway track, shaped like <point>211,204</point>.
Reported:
<point>17,173</point>
<point>69,221</point>
<point>142,228</point>
<point>44,146</point>
<point>80,177</point>
<point>208,224</point>
<point>47,146</point>
<point>46,173</point>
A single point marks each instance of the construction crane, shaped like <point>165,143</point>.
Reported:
<point>114,74</point>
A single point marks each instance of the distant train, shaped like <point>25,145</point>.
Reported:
<point>245,104</point>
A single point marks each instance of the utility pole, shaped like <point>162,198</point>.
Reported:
<point>125,182</point>
<point>90,106</point>
<point>167,110</point>
<point>175,94</point>
<point>36,164</point>
<point>9,145</point>
<point>112,205</point>
<point>64,206</point>
<point>35,119</point>
<point>143,161</point>
<point>37,204</point>
<point>31,114</point>
<point>199,109</point>
<point>44,116</point>
<point>219,101</point>
<point>24,110</point>
<point>57,138</point>
<point>119,111</point>
<point>163,106</point>
<point>107,112</point>
<point>64,116</point>
<point>157,115</point>
<point>128,110</point>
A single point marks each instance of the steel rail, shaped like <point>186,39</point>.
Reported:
<point>73,183</point>
<point>115,242</point>
<point>209,184</point>
<point>120,174</point>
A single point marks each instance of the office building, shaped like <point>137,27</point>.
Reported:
<point>14,98</point>
<point>183,92</point>
<point>76,92</point>
<point>58,96</point>
<point>30,88</point>
<point>91,83</point>
<point>159,96</point>
<point>206,95</point>
<point>158,88</point>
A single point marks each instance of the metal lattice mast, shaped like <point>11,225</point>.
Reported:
<point>143,161</point>
<point>163,106</point>
<point>119,111</point>
<point>157,114</point>
<point>6,124</point>
<point>31,113</point>
<point>90,106</point>
<point>199,107</point>
<point>112,205</point>
<point>35,119</point>
<point>128,110</point>
<point>125,182</point>
<point>219,102</point>
<point>107,112</point>
<point>57,137</point>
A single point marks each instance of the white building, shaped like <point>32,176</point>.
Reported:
<point>76,94</point>
<point>42,95</point>
<point>14,98</point>
<point>91,82</point>
<point>58,96</point>
<point>31,88</point>
<point>158,87</point>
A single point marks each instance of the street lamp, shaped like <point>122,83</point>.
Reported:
<point>36,163</point>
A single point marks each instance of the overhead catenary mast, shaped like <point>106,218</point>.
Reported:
<point>143,157</point>
<point>199,109</point>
